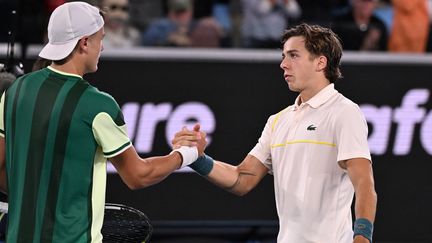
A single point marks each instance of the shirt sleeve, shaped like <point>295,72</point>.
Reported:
<point>351,134</point>
<point>2,103</point>
<point>110,135</point>
<point>262,150</point>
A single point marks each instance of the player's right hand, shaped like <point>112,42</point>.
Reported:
<point>193,137</point>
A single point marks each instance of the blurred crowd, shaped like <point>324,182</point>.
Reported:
<point>362,25</point>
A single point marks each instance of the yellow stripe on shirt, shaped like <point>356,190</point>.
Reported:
<point>276,119</point>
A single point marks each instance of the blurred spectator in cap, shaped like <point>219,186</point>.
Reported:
<point>359,29</point>
<point>410,26</point>
<point>118,32</point>
<point>174,29</point>
<point>180,5</point>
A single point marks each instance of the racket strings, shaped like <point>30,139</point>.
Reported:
<point>125,224</point>
<point>121,224</point>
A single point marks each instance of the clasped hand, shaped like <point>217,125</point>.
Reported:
<point>190,138</point>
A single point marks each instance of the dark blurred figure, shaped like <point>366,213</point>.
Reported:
<point>6,79</point>
<point>222,11</point>
<point>174,29</point>
<point>6,7</point>
<point>320,11</point>
<point>142,13</point>
<point>359,29</point>
<point>212,24</point>
<point>410,28</point>
<point>33,19</point>
<point>29,24</point>
<point>41,63</point>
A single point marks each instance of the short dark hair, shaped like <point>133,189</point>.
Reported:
<point>320,41</point>
<point>41,63</point>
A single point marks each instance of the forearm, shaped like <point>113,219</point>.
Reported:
<point>361,175</point>
<point>366,201</point>
<point>236,179</point>
<point>160,168</point>
<point>225,176</point>
<point>365,208</point>
<point>138,173</point>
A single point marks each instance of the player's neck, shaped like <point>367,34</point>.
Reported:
<point>69,67</point>
<point>310,92</point>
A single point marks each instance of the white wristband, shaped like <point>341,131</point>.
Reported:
<point>189,155</point>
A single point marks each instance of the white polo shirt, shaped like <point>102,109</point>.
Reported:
<point>301,145</point>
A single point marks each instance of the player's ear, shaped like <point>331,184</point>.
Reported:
<point>321,63</point>
<point>83,44</point>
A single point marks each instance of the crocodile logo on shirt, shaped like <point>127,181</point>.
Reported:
<point>311,128</point>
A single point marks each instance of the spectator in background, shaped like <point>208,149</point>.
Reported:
<point>429,42</point>
<point>118,32</point>
<point>320,11</point>
<point>142,13</point>
<point>359,29</point>
<point>410,29</point>
<point>265,20</point>
<point>174,29</point>
<point>384,11</point>
<point>207,33</point>
<point>212,24</point>
<point>221,11</point>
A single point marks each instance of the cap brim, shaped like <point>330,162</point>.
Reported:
<point>57,52</point>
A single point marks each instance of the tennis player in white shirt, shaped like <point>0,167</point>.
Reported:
<point>316,149</point>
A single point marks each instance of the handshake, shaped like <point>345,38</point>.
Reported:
<point>190,144</point>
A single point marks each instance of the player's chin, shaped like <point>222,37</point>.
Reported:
<point>292,87</point>
<point>94,69</point>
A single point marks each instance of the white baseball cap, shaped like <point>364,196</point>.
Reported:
<point>69,23</point>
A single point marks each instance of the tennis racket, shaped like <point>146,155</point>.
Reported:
<point>121,224</point>
<point>125,224</point>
